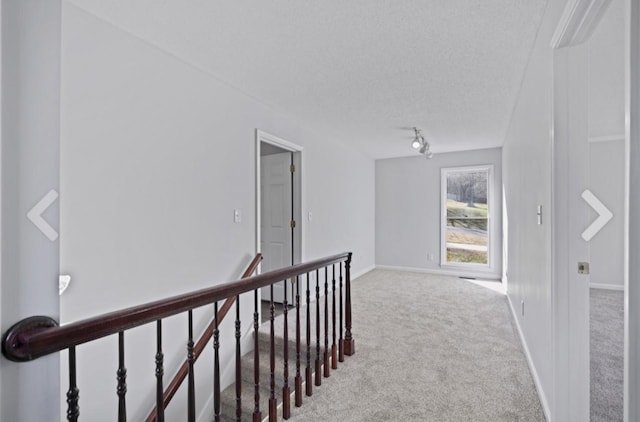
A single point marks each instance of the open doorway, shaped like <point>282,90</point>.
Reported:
<point>591,193</point>
<point>278,208</point>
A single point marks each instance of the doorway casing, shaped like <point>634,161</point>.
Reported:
<point>264,137</point>
<point>570,214</point>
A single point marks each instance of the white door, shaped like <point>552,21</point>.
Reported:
<point>276,216</point>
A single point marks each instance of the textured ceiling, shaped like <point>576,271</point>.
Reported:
<point>361,72</point>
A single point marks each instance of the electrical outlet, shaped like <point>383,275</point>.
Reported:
<point>431,257</point>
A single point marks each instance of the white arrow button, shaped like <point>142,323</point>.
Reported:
<point>35,215</point>
<point>604,215</point>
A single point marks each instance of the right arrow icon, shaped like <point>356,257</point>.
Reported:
<point>604,215</point>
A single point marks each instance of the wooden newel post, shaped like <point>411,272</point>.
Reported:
<point>349,344</point>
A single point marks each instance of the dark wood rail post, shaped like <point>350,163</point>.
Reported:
<point>334,347</point>
<point>238,363</point>
<point>216,364</point>
<point>298,379</point>
<point>308,370</point>
<point>73,410</point>
<point>273,403</point>
<point>340,339</point>
<point>318,376</point>
<point>327,364</point>
<point>121,376</point>
<point>286,390</point>
<point>257,414</point>
<point>191,386</point>
<point>349,344</point>
<point>159,373</point>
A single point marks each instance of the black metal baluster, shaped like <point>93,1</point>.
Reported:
<point>216,365</point>
<point>334,347</point>
<point>286,391</point>
<point>191,392</point>
<point>121,376</point>
<point>273,403</point>
<point>318,362</point>
<point>327,364</point>
<point>238,364</point>
<point>257,414</point>
<point>73,394</point>
<point>308,375</point>
<point>159,373</point>
<point>341,340</point>
<point>298,380</point>
<point>349,344</point>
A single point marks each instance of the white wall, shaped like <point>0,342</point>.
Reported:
<point>408,209</point>
<point>156,154</point>
<point>527,169</point>
<point>606,74</point>
<point>30,169</point>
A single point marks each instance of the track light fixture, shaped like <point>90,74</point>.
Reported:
<point>421,144</point>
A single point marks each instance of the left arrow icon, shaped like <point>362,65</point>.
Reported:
<point>35,215</point>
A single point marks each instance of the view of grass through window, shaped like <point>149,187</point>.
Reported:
<point>467,216</point>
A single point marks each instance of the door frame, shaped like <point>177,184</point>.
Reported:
<point>298,244</point>
<point>632,273</point>
<point>570,290</point>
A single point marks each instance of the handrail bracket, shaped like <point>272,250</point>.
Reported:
<point>13,348</point>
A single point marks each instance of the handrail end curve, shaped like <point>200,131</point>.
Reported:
<point>13,347</point>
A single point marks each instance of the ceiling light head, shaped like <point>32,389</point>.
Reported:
<point>421,144</point>
<point>418,140</point>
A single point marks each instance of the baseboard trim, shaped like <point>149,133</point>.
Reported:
<point>606,286</point>
<point>362,272</point>
<point>207,411</point>
<point>532,368</point>
<point>453,273</point>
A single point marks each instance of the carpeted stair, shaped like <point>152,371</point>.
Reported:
<point>228,396</point>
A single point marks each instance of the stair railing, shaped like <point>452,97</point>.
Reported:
<point>38,336</point>
<point>182,373</point>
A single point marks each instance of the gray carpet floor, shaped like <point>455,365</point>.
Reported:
<point>428,348</point>
<point>607,355</point>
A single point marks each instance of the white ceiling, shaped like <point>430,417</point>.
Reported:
<point>361,72</point>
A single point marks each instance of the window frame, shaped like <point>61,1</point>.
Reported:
<point>444,172</point>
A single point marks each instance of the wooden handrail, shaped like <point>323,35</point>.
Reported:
<point>34,337</point>
<point>180,376</point>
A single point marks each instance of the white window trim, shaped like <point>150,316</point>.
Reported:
<point>490,217</point>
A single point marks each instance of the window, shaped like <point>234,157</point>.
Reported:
<point>466,216</point>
